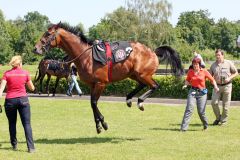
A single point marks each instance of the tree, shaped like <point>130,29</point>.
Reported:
<point>35,25</point>
<point>145,21</point>
<point>195,27</point>
<point>119,25</point>
<point>224,35</point>
<point>6,50</point>
<point>153,26</point>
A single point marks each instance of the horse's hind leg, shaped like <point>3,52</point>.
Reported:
<point>96,91</point>
<point>55,87</point>
<point>47,83</point>
<point>133,93</point>
<point>41,83</point>
<point>153,86</point>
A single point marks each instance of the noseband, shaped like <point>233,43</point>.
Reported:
<point>51,37</point>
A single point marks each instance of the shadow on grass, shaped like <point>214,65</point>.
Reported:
<point>92,140</point>
<point>193,125</point>
<point>178,129</point>
<point>171,129</point>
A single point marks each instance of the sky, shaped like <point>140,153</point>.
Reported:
<point>90,12</point>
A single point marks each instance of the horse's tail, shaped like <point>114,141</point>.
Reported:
<point>168,54</point>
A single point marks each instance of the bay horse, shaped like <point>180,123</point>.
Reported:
<point>50,68</point>
<point>139,66</point>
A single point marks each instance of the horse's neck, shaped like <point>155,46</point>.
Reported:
<point>72,44</point>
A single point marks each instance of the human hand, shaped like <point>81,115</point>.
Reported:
<point>216,89</point>
<point>185,86</point>
<point>227,80</point>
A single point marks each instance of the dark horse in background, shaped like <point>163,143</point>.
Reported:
<point>50,68</point>
<point>139,66</point>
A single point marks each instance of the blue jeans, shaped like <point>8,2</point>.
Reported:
<point>20,104</point>
<point>72,84</point>
<point>201,100</point>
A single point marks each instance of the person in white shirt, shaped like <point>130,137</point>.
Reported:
<point>197,55</point>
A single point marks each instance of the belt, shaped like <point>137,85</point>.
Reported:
<point>224,84</point>
<point>202,91</point>
<point>196,88</point>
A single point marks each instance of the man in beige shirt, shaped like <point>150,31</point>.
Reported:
<point>223,72</point>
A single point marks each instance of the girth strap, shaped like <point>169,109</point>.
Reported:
<point>109,60</point>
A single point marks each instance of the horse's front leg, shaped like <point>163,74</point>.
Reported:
<point>96,91</point>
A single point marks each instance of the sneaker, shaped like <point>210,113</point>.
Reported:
<point>69,94</point>
<point>183,130</point>
<point>222,123</point>
<point>216,122</point>
<point>31,150</point>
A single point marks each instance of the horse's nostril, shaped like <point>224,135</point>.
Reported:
<point>35,50</point>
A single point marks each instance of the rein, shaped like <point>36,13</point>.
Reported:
<point>70,61</point>
<point>47,46</point>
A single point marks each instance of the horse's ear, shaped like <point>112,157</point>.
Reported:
<point>57,25</point>
<point>52,26</point>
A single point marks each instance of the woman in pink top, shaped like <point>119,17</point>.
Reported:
<point>16,100</point>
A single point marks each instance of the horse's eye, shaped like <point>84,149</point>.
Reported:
<point>47,34</point>
<point>42,41</point>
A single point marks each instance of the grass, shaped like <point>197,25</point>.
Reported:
<point>65,130</point>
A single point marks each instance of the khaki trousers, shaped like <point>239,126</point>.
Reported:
<point>225,92</point>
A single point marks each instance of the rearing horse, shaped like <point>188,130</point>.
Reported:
<point>139,66</point>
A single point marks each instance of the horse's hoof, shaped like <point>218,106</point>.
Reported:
<point>129,103</point>
<point>140,106</point>
<point>99,130</point>
<point>105,125</point>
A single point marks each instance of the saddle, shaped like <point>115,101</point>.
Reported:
<point>55,65</point>
<point>119,51</point>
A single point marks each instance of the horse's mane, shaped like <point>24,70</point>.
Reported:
<point>76,31</point>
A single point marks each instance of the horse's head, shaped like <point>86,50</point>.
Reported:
<point>47,41</point>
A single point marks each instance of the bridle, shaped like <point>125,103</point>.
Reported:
<point>51,37</point>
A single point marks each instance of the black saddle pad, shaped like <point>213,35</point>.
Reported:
<point>55,65</point>
<point>120,51</point>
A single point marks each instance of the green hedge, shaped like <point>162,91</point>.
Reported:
<point>170,87</point>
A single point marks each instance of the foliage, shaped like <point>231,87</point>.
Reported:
<point>143,21</point>
<point>224,35</point>
<point>6,50</point>
<point>195,27</point>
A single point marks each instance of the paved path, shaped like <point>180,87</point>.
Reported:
<point>166,101</point>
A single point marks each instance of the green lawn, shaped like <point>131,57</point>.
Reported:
<point>65,130</point>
